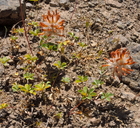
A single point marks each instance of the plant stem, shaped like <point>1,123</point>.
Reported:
<point>23,21</point>
<point>75,107</point>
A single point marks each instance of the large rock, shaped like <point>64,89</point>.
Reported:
<point>10,11</point>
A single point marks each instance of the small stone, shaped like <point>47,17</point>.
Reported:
<point>113,3</point>
<point>10,11</point>
<point>5,52</point>
<point>112,124</point>
<point>3,113</point>
<point>71,9</point>
<point>29,5</point>
<point>54,4</point>
<point>117,42</point>
<point>93,43</point>
<point>106,14</point>
<point>95,121</point>
<point>121,25</point>
<point>62,2</point>
<point>127,95</point>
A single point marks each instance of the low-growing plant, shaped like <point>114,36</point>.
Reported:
<point>18,30</point>
<point>87,93</point>
<point>81,79</point>
<point>34,32</point>
<point>72,35</point>
<point>60,65</point>
<point>82,44</point>
<point>4,60</point>
<point>50,46</point>
<point>58,115</point>
<point>13,38</point>
<point>65,79</point>
<point>3,105</point>
<point>15,87</point>
<point>27,88</point>
<point>28,76</point>
<point>52,24</point>
<point>34,24</point>
<point>97,83</point>
<point>42,86</point>
<point>29,58</point>
<point>119,63</point>
<point>107,96</point>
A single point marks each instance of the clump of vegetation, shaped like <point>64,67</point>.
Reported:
<point>41,75</point>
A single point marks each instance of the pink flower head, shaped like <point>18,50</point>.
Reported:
<point>52,24</point>
<point>120,62</point>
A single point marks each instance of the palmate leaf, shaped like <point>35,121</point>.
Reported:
<point>97,82</point>
<point>27,88</point>
<point>87,93</point>
<point>42,86</point>
<point>3,105</point>
<point>4,60</point>
<point>107,96</point>
<point>60,65</point>
<point>28,76</point>
<point>30,57</point>
<point>15,87</point>
<point>81,79</point>
<point>65,79</point>
<point>50,46</point>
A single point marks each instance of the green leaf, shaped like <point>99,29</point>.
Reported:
<point>65,79</point>
<point>27,88</point>
<point>107,96</point>
<point>50,46</point>
<point>97,82</point>
<point>42,86</point>
<point>34,32</point>
<point>85,89</point>
<point>82,44</point>
<point>28,76</point>
<point>81,79</point>
<point>30,57</point>
<point>93,94</point>
<point>3,105</point>
<point>4,60</point>
<point>91,90</point>
<point>15,87</point>
<point>60,65</point>
<point>87,93</point>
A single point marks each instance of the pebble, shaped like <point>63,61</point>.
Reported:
<point>121,25</point>
<point>106,14</point>
<point>5,52</point>
<point>62,2</point>
<point>29,5</point>
<point>112,124</point>
<point>113,3</point>
<point>54,4</point>
<point>1,69</point>
<point>117,41</point>
<point>127,95</point>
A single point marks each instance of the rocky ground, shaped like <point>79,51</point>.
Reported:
<point>93,28</point>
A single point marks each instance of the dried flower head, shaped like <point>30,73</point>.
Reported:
<point>120,62</point>
<point>52,24</point>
